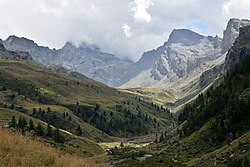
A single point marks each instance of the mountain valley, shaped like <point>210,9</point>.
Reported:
<point>185,103</point>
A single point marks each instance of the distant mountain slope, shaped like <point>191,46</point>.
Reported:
<point>183,58</point>
<point>86,59</point>
<point>11,55</point>
<point>177,61</point>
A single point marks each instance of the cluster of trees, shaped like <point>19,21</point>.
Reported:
<point>156,106</point>
<point>28,90</point>
<point>114,122</point>
<point>60,120</point>
<point>227,104</point>
<point>38,130</point>
<point>163,137</point>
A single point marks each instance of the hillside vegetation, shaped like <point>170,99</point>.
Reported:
<point>214,128</point>
<point>23,151</point>
<point>70,113</point>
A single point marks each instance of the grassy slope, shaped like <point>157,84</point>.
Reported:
<point>54,87</point>
<point>89,131</point>
<point>19,150</point>
<point>197,149</point>
<point>60,91</point>
<point>239,148</point>
<point>76,145</point>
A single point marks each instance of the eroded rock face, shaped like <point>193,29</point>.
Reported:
<point>12,55</point>
<point>185,37</point>
<point>86,59</point>
<point>184,53</point>
<point>240,48</point>
<point>185,56</point>
<point>232,32</point>
<point>2,47</point>
<point>58,69</point>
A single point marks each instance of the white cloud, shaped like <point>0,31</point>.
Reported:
<point>115,26</point>
<point>127,30</point>
<point>237,8</point>
<point>139,9</point>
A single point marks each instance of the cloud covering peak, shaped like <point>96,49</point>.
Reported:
<point>125,28</point>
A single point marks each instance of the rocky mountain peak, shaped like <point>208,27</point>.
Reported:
<point>240,48</point>
<point>15,55</point>
<point>232,32</point>
<point>184,36</point>
<point>89,47</point>
<point>69,46</point>
<point>83,47</point>
<point>15,39</point>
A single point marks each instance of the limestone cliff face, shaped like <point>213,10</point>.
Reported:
<point>228,46</point>
<point>240,48</point>
<point>232,32</point>
<point>185,57</point>
<point>11,55</point>
<point>86,59</point>
<point>185,54</point>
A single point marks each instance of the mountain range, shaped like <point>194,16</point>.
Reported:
<point>86,59</point>
<point>182,59</point>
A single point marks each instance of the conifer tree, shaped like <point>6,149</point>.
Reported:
<point>34,111</point>
<point>20,123</point>
<point>79,131</point>
<point>39,130</point>
<point>161,137</point>
<point>31,125</point>
<point>13,122</point>
<point>24,122</point>
<point>49,133</point>
<point>58,137</point>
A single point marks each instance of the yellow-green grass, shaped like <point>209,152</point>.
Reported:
<point>23,151</point>
<point>157,95</point>
<point>173,97</point>
<point>19,100</point>
<point>65,90</point>
<point>75,144</point>
<point>6,115</point>
<point>125,144</point>
<point>55,85</point>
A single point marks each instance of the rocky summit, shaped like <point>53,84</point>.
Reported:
<point>86,59</point>
<point>184,57</point>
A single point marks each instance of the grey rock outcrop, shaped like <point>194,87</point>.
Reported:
<point>183,54</point>
<point>229,36</point>
<point>58,69</point>
<point>185,37</point>
<point>240,48</point>
<point>18,56</point>
<point>185,57</point>
<point>86,59</point>
<point>232,32</point>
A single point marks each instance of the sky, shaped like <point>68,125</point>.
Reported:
<point>125,28</point>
